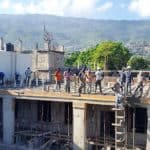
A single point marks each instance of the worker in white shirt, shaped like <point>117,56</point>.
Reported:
<point>99,77</point>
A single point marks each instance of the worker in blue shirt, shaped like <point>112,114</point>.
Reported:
<point>2,78</point>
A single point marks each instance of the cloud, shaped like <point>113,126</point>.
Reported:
<point>105,7</point>
<point>5,4</point>
<point>141,7</point>
<point>81,8</point>
<point>75,8</point>
<point>19,8</point>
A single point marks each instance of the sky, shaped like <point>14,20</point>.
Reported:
<point>94,9</point>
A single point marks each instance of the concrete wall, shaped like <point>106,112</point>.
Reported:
<point>56,60</point>
<point>7,63</point>
<point>8,119</point>
<point>11,62</point>
<point>22,62</point>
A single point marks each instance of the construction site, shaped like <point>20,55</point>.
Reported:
<point>36,117</point>
<point>32,118</point>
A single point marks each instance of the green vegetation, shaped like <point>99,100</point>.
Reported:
<point>108,55</point>
<point>111,55</point>
<point>138,62</point>
<point>72,60</point>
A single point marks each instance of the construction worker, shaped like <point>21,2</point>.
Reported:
<point>58,78</point>
<point>122,78</point>
<point>140,79</point>
<point>67,80</point>
<point>117,88</point>
<point>28,73</point>
<point>99,77</point>
<point>129,79</point>
<point>88,76</point>
<point>82,80</point>
<point>2,78</point>
<point>17,76</point>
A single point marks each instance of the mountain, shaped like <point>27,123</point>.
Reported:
<point>74,33</point>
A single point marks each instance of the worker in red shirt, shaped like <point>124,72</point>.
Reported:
<point>58,77</point>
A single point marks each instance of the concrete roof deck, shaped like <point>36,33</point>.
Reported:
<point>38,94</point>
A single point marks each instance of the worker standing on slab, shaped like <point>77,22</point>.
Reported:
<point>88,76</point>
<point>67,80</point>
<point>82,80</point>
<point>123,79</point>
<point>28,73</point>
<point>58,79</point>
<point>129,79</point>
<point>117,88</point>
<point>139,87</point>
<point>99,77</point>
<point>2,78</point>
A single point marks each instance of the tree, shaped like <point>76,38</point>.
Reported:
<point>138,63</point>
<point>85,57</point>
<point>72,60</point>
<point>111,55</point>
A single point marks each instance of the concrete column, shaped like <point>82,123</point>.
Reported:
<point>148,129</point>
<point>8,119</point>
<point>79,126</point>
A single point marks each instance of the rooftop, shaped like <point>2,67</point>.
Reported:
<point>41,93</point>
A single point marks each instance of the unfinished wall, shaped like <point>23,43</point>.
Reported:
<point>56,60</point>
<point>11,62</point>
<point>7,63</point>
<point>22,62</point>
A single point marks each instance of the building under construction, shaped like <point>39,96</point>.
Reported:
<point>36,117</point>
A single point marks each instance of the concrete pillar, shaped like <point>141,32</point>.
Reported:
<point>8,119</point>
<point>148,129</point>
<point>79,126</point>
<point>1,44</point>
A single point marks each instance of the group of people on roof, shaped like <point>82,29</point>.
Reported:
<point>85,79</point>
<point>122,87</point>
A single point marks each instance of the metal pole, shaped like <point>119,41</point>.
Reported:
<point>126,126</point>
<point>133,128</point>
<point>68,125</point>
<point>104,131</point>
<point>115,130</point>
<point>68,122</point>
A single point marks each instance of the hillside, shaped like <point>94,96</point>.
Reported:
<point>74,33</point>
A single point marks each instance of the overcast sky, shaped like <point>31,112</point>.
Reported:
<point>96,9</point>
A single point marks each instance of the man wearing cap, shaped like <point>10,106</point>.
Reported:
<point>129,79</point>
<point>99,77</point>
